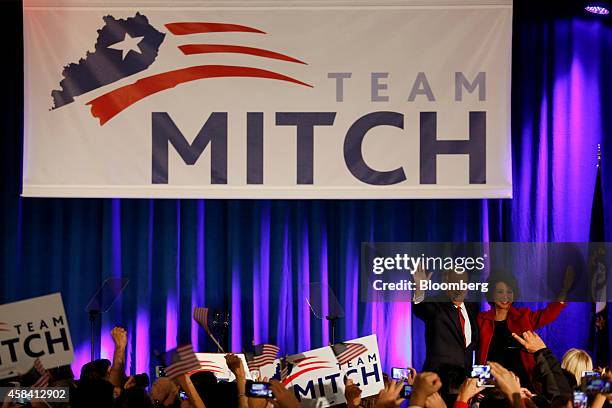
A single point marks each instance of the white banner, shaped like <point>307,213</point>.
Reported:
<point>267,100</point>
<point>32,329</point>
<point>317,376</point>
<point>216,364</point>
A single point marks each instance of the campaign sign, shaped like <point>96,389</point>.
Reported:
<point>32,329</point>
<point>216,364</point>
<point>296,99</point>
<point>317,377</point>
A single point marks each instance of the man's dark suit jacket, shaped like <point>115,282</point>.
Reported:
<point>443,335</point>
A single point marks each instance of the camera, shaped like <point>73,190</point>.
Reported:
<point>580,400</point>
<point>398,373</point>
<point>160,371</point>
<point>483,373</point>
<point>257,389</point>
<point>406,391</point>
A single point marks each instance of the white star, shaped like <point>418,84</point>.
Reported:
<point>128,44</point>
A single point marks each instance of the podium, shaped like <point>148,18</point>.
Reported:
<point>101,302</point>
<point>324,304</point>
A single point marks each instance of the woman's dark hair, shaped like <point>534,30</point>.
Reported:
<point>134,397</point>
<point>499,277</point>
<point>495,399</point>
<point>92,393</point>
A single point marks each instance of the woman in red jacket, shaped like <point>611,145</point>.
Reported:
<point>497,325</point>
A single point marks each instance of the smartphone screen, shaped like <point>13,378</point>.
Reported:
<point>580,400</point>
<point>598,385</point>
<point>483,373</point>
<point>398,373</point>
<point>406,391</point>
<point>258,389</point>
<point>594,384</point>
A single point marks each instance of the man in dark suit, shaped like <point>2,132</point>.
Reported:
<point>451,331</point>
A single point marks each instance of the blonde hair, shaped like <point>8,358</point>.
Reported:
<point>576,361</point>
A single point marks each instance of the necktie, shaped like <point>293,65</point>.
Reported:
<point>461,322</point>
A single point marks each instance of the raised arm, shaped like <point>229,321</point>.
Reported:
<point>549,314</point>
<point>194,399</point>
<point>117,371</point>
<point>235,365</point>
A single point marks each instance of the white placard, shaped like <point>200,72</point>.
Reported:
<point>34,328</point>
<point>215,363</point>
<point>318,380</point>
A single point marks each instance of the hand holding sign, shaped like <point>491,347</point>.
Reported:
<point>352,394</point>
<point>34,329</point>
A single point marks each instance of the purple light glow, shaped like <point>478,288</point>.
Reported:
<point>142,341</point>
<point>284,329</point>
<point>304,280</point>
<point>171,321</point>
<point>351,290</point>
<point>236,311</point>
<point>261,278</point>
<point>324,284</point>
<point>199,289</point>
<point>398,343</point>
<point>576,126</point>
<point>174,295</point>
<point>82,354</point>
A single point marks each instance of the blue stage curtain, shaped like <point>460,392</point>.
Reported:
<point>257,258</point>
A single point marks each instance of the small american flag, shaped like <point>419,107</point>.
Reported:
<point>262,355</point>
<point>200,315</point>
<point>346,352</point>
<point>37,376</point>
<point>285,368</point>
<point>45,377</point>
<point>180,360</point>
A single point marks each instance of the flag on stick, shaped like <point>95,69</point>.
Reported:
<point>262,355</point>
<point>598,272</point>
<point>181,360</point>
<point>200,315</point>
<point>37,376</point>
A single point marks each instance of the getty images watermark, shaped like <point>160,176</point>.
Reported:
<point>424,271</point>
<point>455,265</point>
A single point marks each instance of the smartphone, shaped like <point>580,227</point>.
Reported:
<point>160,371</point>
<point>483,373</point>
<point>258,389</point>
<point>591,374</point>
<point>398,373</point>
<point>597,385</point>
<point>580,400</point>
<point>406,391</point>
